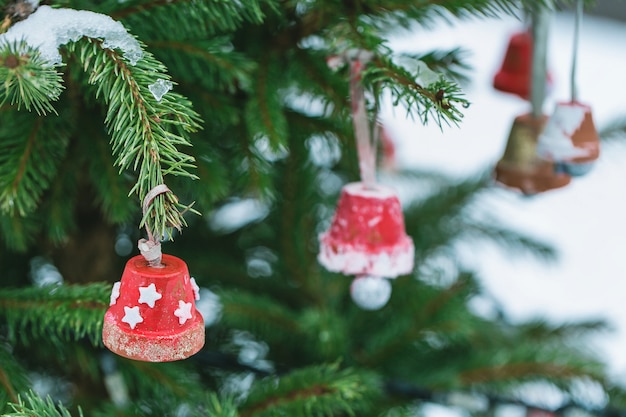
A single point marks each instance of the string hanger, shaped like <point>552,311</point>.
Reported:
<point>540,20</point>
<point>366,136</point>
<point>577,23</point>
<point>151,248</point>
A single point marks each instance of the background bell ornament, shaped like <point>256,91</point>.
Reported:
<point>152,316</point>
<point>515,74</point>
<point>570,139</point>
<point>520,167</point>
<point>367,235</point>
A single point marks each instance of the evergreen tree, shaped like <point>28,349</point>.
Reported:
<point>85,136</point>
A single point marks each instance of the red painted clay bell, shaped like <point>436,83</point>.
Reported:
<point>515,74</point>
<point>520,167</point>
<point>570,138</point>
<point>153,316</point>
<point>367,234</point>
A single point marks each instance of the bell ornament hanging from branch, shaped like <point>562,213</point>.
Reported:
<point>367,236</point>
<point>515,73</point>
<point>520,167</point>
<point>152,314</point>
<point>570,139</point>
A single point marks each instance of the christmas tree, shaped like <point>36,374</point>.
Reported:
<point>226,130</point>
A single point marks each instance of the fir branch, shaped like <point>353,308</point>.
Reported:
<point>31,404</point>
<point>208,62</point>
<point>215,406</point>
<point>264,114</point>
<point>58,313</point>
<point>508,239</point>
<point>18,233</point>
<point>429,314</point>
<point>27,79</point>
<point>145,131</point>
<point>31,150</point>
<point>184,19</point>
<point>266,318</point>
<point>13,378</point>
<point>450,63</point>
<point>522,370</point>
<point>315,391</point>
<point>159,380</point>
<point>111,188</point>
<point>438,98</point>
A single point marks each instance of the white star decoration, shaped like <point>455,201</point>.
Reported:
<point>183,312</point>
<point>132,316</point>
<point>115,293</point>
<point>149,295</point>
<point>196,289</point>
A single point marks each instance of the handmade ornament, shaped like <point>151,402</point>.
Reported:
<point>367,237</point>
<point>520,167</point>
<point>570,139</point>
<point>152,315</point>
<point>515,74</point>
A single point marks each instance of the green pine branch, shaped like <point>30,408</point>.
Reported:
<point>31,150</point>
<point>27,80</point>
<point>30,404</point>
<point>145,132</point>
<point>322,390</point>
<point>13,378</point>
<point>186,19</point>
<point>439,98</point>
<point>62,313</point>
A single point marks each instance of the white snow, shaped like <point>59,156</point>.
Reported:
<point>160,87</point>
<point>47,29</point>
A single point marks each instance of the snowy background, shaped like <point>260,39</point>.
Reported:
<point>584,221</point>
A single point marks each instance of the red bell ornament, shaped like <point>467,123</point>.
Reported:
<point>515,74</point>
<point>520,167</point>
<point>570,138</point>
<point>153,316</point>
<point>367,234</point>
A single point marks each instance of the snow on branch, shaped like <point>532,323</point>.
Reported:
<point>48,29</point>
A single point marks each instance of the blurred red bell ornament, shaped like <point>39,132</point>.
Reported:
<point>515,74</point>
<point>152,315</point>
<point>367,234</point>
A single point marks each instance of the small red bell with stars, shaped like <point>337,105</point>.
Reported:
<point>152,315</point>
